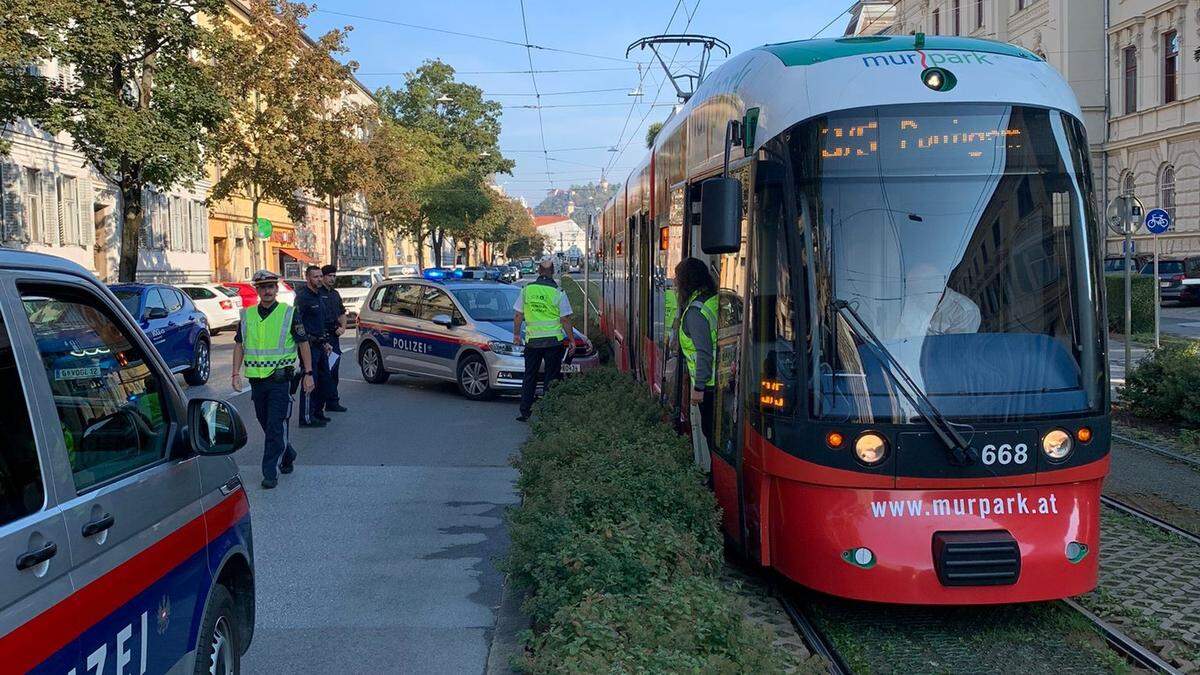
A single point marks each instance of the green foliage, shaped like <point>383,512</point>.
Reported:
<point>138,93</point>
<point>1141,308</point>
<point>618,541</point>
<point>463,130</point>
<point>652,133</point>
<point>580,201</point>
<point>1165,385</point>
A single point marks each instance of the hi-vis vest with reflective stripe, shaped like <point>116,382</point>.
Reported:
<point>268,343</point>
<point>542,316</point>
<point>707,309</point>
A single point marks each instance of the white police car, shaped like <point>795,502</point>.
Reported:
<point>123,548</point>
<point>451,329</point>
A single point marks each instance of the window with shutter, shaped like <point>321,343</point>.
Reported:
<point>164,219</point>
<point>13,221</point>
<point>68,209</point>
<point>87,212</point>
<point>203,228</point>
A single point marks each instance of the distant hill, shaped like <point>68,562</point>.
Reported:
<point>587,200</point>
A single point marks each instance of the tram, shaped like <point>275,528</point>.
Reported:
<point>912,398</point>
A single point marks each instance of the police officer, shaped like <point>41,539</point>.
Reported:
<point>335,326</point>
<point>546,312</point>
<point>312,313</point>
<point>698,341</point>
<point>268,338</point>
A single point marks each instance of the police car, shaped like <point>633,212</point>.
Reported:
<point>451,329</point>
<point>125,542</point>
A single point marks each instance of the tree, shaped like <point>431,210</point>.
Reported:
<point>652,133</point>
<point>340,161</point>
<point>499,225</point>
<point>283,130</point>
<point>527,242</point>
<point>137,93</point>
<point>464,130</point>
<point>397,172</point>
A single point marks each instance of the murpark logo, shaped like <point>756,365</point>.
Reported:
<point>930,60</point>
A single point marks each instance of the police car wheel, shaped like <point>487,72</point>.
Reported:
<point>201,364</point>
<point>473,379</point>
<point>219,647</point>
<point>371,362</point>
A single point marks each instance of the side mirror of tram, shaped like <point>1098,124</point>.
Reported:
<point>720,215</point>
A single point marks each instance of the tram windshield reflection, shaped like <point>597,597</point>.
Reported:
<point>963,241</point>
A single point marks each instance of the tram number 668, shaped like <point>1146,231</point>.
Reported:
<point>1005,454</point>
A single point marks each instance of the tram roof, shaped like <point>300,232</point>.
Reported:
<point>812,52</point>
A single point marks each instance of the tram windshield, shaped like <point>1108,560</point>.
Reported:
<point>966,242</point>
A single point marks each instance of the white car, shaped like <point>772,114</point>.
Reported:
<point>220,305</point>
<point>392,271</point>
<point>354,287</point>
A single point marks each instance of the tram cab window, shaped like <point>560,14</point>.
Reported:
<point>771,374</point>
<point>965,241</point>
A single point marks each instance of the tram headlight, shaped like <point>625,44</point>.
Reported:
<point>938,79</point>
<point>870,448</point>
<point>1057,444</point>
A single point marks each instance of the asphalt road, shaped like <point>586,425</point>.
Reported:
<point>378,554</point>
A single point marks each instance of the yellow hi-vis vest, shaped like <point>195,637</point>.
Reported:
<point>707,309</point>
<point>268,343</point>
<point>542,316</point>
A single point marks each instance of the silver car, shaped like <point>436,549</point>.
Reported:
<point>459,330</point>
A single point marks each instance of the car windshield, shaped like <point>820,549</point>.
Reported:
<point>227,291</point>
<point>1164,267</point>
<point>494,303</point>
<point>130,299</point>
<point>966,241</point>
<point>354,281</point>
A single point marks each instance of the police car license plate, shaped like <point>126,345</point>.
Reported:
<point>570,368</point>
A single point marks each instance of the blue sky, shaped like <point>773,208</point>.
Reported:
<point>602,29</point>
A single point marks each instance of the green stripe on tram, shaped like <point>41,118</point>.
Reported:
<point>810,52</point>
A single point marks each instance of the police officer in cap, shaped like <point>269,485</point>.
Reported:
<point>335,326</point>
<point>268,339</point>
<point>546,312</point>
<point>311,309</point>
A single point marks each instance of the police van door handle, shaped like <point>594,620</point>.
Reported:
<point>33,558</point>
<point>99,525</point>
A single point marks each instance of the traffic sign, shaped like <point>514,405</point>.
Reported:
<point>1158,221</point>
<point>1129,247</point>
<point>264,228</point>
<point>1124,214</point>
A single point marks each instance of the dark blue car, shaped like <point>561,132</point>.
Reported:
<point>178,330</point>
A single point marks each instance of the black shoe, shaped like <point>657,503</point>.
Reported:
<point>270,483</point>
<point>317,422</point>
<point>336,407</point>
<point>287,468</point>
<point>523,417</point>
<point>322,418</point>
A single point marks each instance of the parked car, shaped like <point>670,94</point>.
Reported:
<point>132,515</point>
<point>1115,264</point>
<point>526,266</point>
<point>245,289</point>
<point>481,273</point>
<point>391,271</point>
<point>458,330</point>
<point>1189,292</point>
<point>1170,277</point>
<point>509,274</point>
<point>222,306</point>
<point>176,327</point>
<point>354,287</point>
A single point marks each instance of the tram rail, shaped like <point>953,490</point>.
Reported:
<point>816,640</point>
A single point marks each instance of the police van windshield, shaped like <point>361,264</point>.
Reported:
<point>966,241</point>
<point>488,304</point>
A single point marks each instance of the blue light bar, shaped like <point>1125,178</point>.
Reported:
<point>434,273</point>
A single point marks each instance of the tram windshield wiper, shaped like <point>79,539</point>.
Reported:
<point>960,451</point>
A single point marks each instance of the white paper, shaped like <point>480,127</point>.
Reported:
<point>333,359</point>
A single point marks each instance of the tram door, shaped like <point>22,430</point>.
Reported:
<point>731,272</point>
<point>632,284</point>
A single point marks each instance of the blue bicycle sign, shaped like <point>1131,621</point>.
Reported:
<point>1158,221</point>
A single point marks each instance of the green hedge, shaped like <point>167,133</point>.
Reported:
<point>1141,309</point>
<point>617,541</point>
<point>1165,385</point>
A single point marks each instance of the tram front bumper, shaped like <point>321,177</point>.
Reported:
<point>939,547</point>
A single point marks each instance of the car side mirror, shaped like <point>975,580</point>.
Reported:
<point>155,313</point>
<point>215,427</point>
<point>443,320</point>
<point>720,215</point>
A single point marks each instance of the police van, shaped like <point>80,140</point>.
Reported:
<point>125,540</point>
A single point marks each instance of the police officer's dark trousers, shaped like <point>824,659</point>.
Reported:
<point>314,403</point>
<point>535,356</point>
<point>273,406</point>
<point>332,396</point>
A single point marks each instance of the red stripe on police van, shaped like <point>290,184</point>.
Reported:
<point>421,334</point>
<point>48,632</point>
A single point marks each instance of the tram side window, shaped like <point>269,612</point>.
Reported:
<point>771,372</point>
<point>21,491</point>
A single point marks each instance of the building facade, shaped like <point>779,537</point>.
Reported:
<point>561,233</point>
<point>1153,147</point>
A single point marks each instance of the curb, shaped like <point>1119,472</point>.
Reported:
<point>506,641</point>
